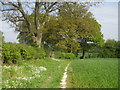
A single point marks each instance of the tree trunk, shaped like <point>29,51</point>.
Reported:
<point>83,54</point>
<point>39,40</point>
<point>38,35</point>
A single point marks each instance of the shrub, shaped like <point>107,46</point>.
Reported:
<point>10,52</point>
<point>68,55</point>
<point>61,55</point>
<point>27,52</point>
<point>40,53</point>
<point>13,52</point>
<point>54,54</point>
<point>89,55</point>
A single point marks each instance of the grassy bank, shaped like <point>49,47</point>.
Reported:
<point>93,73</point>
<point>45,73</point>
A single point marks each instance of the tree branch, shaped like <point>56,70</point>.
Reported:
<point>36,12</point>
<point>48,11</point>
<point>18,7</point>
<point>9,10</point>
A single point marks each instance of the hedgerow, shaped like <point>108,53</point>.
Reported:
<point>89,55</point>
<point>68,55</point>
<point>11,52</point>
<point>61,55</point>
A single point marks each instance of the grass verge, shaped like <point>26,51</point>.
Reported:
<point>44,73</point>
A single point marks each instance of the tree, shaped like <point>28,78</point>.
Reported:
<point>24,36</point>
<point>118,49</point>
<point>1,38</point>
<point>76,28</point>
<point>1,41</point>
<point>17,12</point>
<point>109,49</point>
<point>90,35</point>
<point>72,29</point>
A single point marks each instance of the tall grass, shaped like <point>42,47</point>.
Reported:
<point>45,73</point>
<point>93,73</point>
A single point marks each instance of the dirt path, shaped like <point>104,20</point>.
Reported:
<point>63,80</point>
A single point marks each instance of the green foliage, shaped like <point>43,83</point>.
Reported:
<point>75,29</point>
<point>1,40</point>
<point>73,22</point>
<point>110,49</point>
<point>13,52</point>
<point>10,52</point>
<point>61,55</point>
<point>27,52</point>
<point>118,49</point>
<point>25,36</point>
<point>89,55</point>
<point>65,55</point>
<point>1,37</point>
<point>40,53</point>
<point>68,55</point>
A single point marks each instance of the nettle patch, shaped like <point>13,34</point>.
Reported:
<point>19,76</point>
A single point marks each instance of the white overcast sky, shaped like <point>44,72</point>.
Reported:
<point>106,14</point>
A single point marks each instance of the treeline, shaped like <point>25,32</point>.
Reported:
<point>111,49</point>
<point>11,52</point>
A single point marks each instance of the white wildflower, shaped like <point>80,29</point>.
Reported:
<point>13,81</point>
<point>6,67</point>
<point>30,77</point>
<point>42,68</point>
<point>55,59</point>
<point>37,75</point>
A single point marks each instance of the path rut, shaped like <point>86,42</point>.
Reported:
<point>64,78</point>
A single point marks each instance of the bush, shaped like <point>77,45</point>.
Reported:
<point>68,55</point>
<point>53,54</point>
<point>89,55</point>
<point>27,52</point>
<point>61,55</point>
<point>40,53</point>
<point>13,52</point>
<point>10,52</point>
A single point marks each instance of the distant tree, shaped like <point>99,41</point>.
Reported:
<point>118,49</point>
<point>1,37</point>
<point>1,41</point>
<point>109,49</point>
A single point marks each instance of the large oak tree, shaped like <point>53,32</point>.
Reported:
<point>18,12</point>
<point>75,28</point>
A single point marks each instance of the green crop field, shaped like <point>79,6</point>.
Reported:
<point>93,73</point>
<point>48,72</point>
